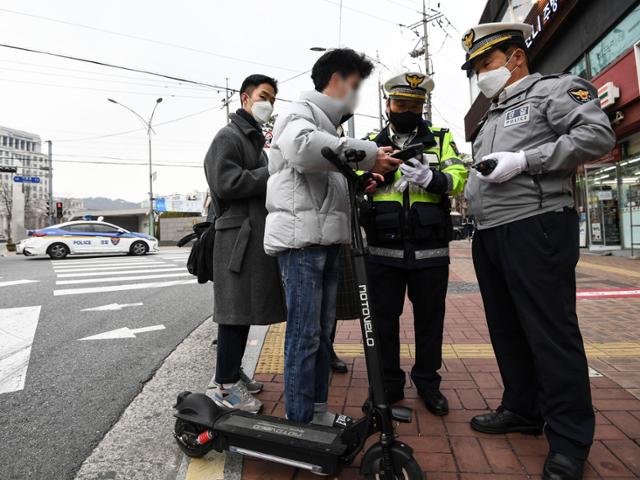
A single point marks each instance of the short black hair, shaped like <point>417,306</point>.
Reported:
<point>252,81</point>
<point>344,61</point>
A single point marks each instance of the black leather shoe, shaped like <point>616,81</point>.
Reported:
<point>504,421</point>
<point>562,467</point>
<point>435,402</point>
<point>337,365</point>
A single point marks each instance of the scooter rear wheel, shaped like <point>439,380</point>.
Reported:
<point>186,436</point>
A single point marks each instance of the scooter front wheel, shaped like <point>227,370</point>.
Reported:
<point>405,466</point>
<point>186,435</point>
<point>409,471</point>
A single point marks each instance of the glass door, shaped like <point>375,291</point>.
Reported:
<point>603,218</point>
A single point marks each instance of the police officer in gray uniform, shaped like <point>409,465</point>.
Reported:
<point>537,131</point>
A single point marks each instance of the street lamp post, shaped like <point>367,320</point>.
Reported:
<point>150,130</point>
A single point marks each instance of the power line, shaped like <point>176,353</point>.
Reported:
<point>67,69</point>
<point>62,75</point>
<point>132,164</point>
<point>119,67</point>
<point>144,39</point>
<point>362,12</point>
<point>108,90</point>
<point>116,134</point>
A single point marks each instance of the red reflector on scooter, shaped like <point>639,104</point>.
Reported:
<point>205,437</point>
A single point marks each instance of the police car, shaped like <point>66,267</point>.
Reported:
<point>87,237</point>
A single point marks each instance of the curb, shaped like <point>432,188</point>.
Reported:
<point>214,466</point>
<point>140,445</point>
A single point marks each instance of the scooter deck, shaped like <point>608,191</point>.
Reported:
<point>317,447</point>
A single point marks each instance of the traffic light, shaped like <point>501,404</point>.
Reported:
<point>8,169</point>
<point>59,209</point>
<point>47,205</point>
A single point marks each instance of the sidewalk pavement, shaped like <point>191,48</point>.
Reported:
<point>446,447</point>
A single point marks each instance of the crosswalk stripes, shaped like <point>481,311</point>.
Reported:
<point>114,274</point>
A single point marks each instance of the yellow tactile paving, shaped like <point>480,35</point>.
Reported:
<point>605,268</point>
<point>272,361</point>
<point>209,468</point>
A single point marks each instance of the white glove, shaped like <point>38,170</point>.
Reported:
<point>417,173</point>
<point>509,165</point>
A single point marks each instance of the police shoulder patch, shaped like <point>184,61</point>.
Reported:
<point>580,95</point>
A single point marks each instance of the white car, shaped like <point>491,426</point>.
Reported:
<point>87,237</point>
<point>20,246</point>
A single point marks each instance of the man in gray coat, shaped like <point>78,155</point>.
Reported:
<point>537,131</point>
<point>246,281</point>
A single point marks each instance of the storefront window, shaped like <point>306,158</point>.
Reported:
<point>516,11</point>
<point>623,36</point>
<point>630,205</point>
<point>579,68</point>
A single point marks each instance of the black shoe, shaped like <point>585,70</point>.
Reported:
<point>337,365</point>
<point>562,467</point>
<point>435,402</point>
<point>504,421</point>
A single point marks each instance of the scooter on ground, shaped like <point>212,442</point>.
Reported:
<point>202,426</point>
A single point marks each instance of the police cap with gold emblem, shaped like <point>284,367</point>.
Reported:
<point>484,37</point>
<point>410,85</point>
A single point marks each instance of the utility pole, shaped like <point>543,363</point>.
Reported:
<point>226,96</point>
<point>427,60</point>
<point>422,47</point>
<point>50,215</point>
<point>380,119</point>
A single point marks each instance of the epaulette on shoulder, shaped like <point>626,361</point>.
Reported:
<point>553,76</point>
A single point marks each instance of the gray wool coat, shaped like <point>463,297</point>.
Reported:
<point>247,287</point>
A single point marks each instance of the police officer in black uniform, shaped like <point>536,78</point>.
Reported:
<point>408,233</point>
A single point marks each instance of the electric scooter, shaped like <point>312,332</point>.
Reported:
<point>202,426</point>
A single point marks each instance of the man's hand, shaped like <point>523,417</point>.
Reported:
<point>372,183</point>
<point>417,173</point>
<point>509,165</point>
<point>384,162</point>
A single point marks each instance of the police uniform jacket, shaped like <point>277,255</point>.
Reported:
<point>412,229</point>
<point>558,123</point>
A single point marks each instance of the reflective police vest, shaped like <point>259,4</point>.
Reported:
<point>414,227</point>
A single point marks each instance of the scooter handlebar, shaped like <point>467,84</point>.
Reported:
<point>341,165</point>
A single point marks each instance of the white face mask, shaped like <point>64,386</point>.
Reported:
<point>491,83</point>
<point>262,111</point>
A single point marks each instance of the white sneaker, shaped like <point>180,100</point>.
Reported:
<point>236,396</point>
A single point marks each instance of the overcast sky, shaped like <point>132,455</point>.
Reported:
<point>65,101</point>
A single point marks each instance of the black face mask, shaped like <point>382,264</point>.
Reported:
<point>404,122</point>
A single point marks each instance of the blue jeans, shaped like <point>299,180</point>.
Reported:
<point>310,278</point>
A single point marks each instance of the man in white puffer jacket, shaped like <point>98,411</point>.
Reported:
<point>308,219</point>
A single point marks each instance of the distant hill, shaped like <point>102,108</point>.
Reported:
<point>103,203</point>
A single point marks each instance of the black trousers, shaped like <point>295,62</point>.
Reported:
<point>427,290</point>
<point>232,342</point>
<point>526,273</point>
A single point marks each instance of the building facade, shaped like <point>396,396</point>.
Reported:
<point>26,201</point>
<point>599,41</point>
